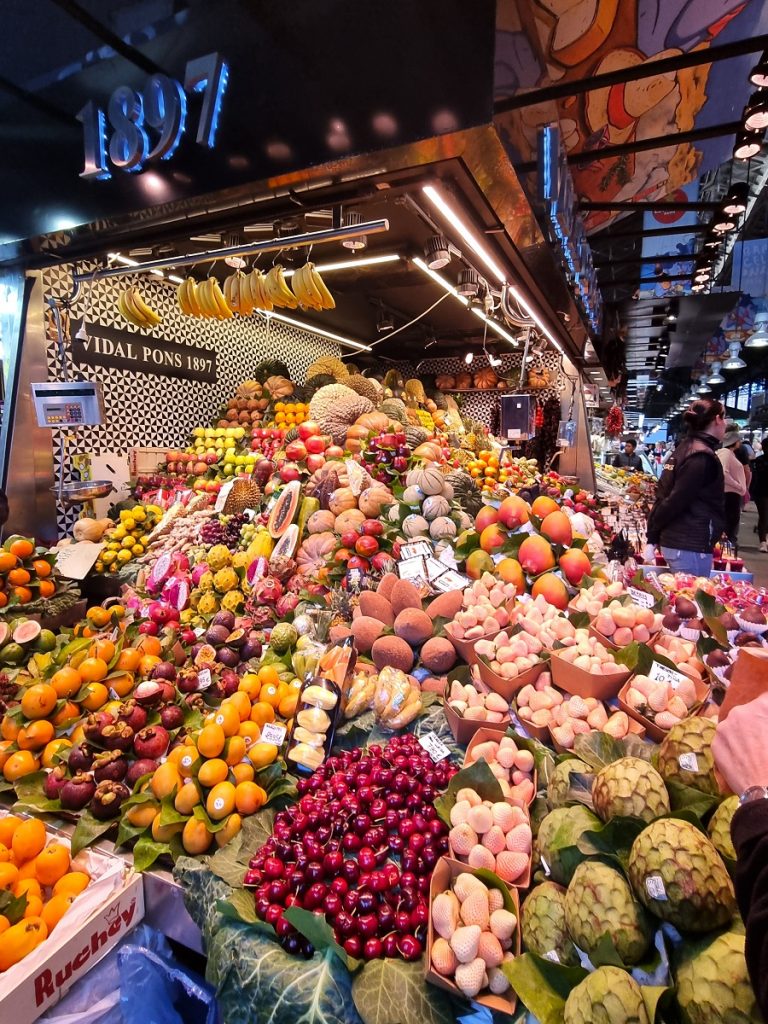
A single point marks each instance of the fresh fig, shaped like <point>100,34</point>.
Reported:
<point>132,714</point>
<point>76,793</point>
<point>152,742</point>
<point>118,736</point>
<point>144,766</point>
<point>171,716</point>
<point>110,766</point>
<point>55,781</point>
<point>81,758</point>
<point>95,724</point>
<point>107,799</point>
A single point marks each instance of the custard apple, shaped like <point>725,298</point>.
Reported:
<point>283,637</point>
<point>630,787</point>
<point>607,996</point>
<point>560,780</point>
<point>561,829</point>
<point>678,874</point>
<point>686,754</point>
<point>219,557</point>
<point>543,925</point>
<point>600,902</point>
<point>713,984</point>
<point>719,827</point>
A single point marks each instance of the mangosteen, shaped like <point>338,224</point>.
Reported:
<point>81,757</point>
<point>77,792</point>
<point>165,670</point>
<point>118,736</point>
<point>226,656</point>
<point>152,742</point>
<point>95,724</point>
<point>110,766</point>
<point>188,681</point>
<point>195,700</point>
<point>55,781</point>
<point>107,799</point>
<point>144,766</point>
<point>132,714</point>
<point>148,693</point>
<point>167,691</point>
<point>225,619</point>
<point>217,635</point>
<point>171,716</point>
<point>685,608</point>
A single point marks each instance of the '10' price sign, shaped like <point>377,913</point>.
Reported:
<point>159,110</point>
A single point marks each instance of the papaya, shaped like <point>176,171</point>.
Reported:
<point>284,511</point>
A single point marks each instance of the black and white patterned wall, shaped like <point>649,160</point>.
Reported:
<point>144,410</point>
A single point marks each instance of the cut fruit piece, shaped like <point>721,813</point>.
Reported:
<point>26,632</point>
<point>284,511</point>
<point>287,544</point>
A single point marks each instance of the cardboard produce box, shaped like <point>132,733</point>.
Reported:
<point>464,729</point>
<point>650,728</point>
<point>585,684</point>
<point>481,736</point>
<point>466,648</point>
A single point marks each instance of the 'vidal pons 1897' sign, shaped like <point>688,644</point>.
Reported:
<point>123,350</point>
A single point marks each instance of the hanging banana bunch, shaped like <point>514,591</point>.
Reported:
<point>237,294</point>
<point>277,290</point>
<point>256,284</point>
<point>136,311</point>
<point>212,301</point>
<point>309,288</point>
<point>186,296</point>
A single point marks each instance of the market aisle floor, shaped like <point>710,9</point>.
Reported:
<point>756,562</point>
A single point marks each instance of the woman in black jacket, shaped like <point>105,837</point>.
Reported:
<point>758,491</point>
<point>689,514</point>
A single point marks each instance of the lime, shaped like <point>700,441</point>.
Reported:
<point>12,654</point>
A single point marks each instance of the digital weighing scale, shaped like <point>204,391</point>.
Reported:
<point>60,404</point>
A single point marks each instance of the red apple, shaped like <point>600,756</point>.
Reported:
<point>349,538</point>
<point>366,546</point>
<point>308,429</point>
<point>334,451</point>
<point>315,444</point>
<point>315,462</point>
<point>357,562</point>
<point>372,527</point>
<point>295,451</point>
<point>289,471</point>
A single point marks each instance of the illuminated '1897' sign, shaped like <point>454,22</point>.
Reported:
<point>150,123</point>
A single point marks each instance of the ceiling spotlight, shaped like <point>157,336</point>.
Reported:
<point>469,283</point>
<point>759,74</point>
<point>756,112</point>
<point>350,220</point>
<point>82,334</point>
<point>494,360</point>
<point>736,200</point>
<point>760,337</point>
<point>437,252</point>
<point>748,144</point>
<point>697,287</point>
<point>716,377</point>
<point>713,243</point>
<point>734,361</point>
<point>723,223</point>
<point>703,388</point>
<point>236,262</point>
<point>384,322</point>
<point>469,357</point>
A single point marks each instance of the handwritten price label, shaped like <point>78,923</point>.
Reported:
<point>273,733</point>
<point>640,598</point>
<point>434,746</point>
<point>663,674</point>
<point>204,679</point>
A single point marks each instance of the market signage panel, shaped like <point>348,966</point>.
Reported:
<point>126,350</point>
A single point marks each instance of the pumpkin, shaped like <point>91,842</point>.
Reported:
<point>278,387</point>
<point>486,379</point>
<point>341,500</point>
<point>415,526</point>
<point>442,527</point>
<point>463,381</point>
<point>428,452</point>
<point>373,499</point>
<point>348,520</point>
<point>314,552</point>
<point>357,432</point>
<point>375,421</point>
<point>321,521</point>
<point>428,478</point>
<point>434,506</point>
<point>90,529</point>
<point>445,382</point>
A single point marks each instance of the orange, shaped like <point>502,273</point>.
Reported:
<point>9,728</point>
<point>36,735</point>
<point>7,561</point>
<point>228,717</point>
<point>24,594</point>
<point>241,701</point>
<point>52,863</point>
<point>42,568</point>
<point>8,826</point>
<point>9,876</point>
<point>56,908</point>
<point>249,797</point>
<point>73,882</point>
<point>22,763</point>
<point>67,714</point>
<point>261,754</point>
<point>122,684</point>
<point>48,758</point>
<point>67,681</point>
<point>250,686</point>
<point>147,663</point>
<point>97,697</point>
<point>211,740</point>
<point>128,659</point>
<point>243,772</point>
<point>221,801</point>
<point>98,616</point>
<point>149,645</point>
<point>250,732</point>
<point>213,772</point>
<point>39,700</point>
<point>268,674</point>
<point>47,588</point>
<point>22,548</point>
<point>93,670</point>
<point>230,830</point>
<point>262,713</point>
<point>235,750</point>
<point>103,649</point>
<point>19,577</point>
<point>31,886</point>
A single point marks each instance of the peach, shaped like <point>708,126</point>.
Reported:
<point>544,506</point>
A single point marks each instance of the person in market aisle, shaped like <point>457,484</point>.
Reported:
<point>689,514</point>
<point>741,755</point>
<point>758,490</point>
<point>736,483</point>
<point>745,454</point>
<point>628,459</point>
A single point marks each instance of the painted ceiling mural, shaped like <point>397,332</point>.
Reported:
<point>540,42</point>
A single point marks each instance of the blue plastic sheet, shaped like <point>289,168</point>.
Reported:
<point>155,991</point>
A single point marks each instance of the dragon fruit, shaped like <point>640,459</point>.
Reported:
<point>198,572</point>
<point>282,567</point>
<point>266,590</point>
<point>286,604</point>
<point>263,617</point>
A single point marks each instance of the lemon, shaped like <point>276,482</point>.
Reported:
<point>137,549</point>
<point>139,514</point>
<point>124,556</point>
<point>127,542</point>
<point>99,567</point>
<point>119,532</point>
<point>114,545</point>
<point>129,523</point>
<point>108,557</point>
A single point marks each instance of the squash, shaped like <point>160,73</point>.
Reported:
<point>341,500</point>
<point>463,381</point>
<point>314,552</point>
<point>278,387</point>
<point>434,506</point>
<point>375,421</point>
<point>428,452</point>
<point>441,528</point>
<point>445,382</point>
<point>321,521</point>
<point>373,499</point>
<point>415,526</point>
<point>428,478</point>
<point>357,432</point>
<point>91,529</point>
<point>486,379</point>
<point>349,520</point>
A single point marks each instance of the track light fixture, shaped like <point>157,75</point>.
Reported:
<point>437,252</point>
<point>734,360</point>
<point>469,283</point>
<point>352,219</point>
<point>384,322</point>
<point>756,112</point>
<point>736,199</point>
<point>748,145</point>
<point>758,76</point>
<point>759,339</point>
<point>723,223</point>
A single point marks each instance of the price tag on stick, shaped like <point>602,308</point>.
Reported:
<point>662,674</point>
<point>273,733</point>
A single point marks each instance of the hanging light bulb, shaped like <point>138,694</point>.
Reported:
<point>759,74</point>
<point>756,112</point>
<point>734,360</point>
<point>760,337</point>
<point>715,376</point>
<point>748,145</point>
<point>469,357</point>
<point>723,223</point>
<point>737,197</point>
<point>703,388</point>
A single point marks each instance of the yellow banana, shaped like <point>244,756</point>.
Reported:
<point>204,299</point>
<point>218,297</point>
<point>228,283</point>
<point>191,296</point>
<point>308,282</point>
<point>127,313</point>
<point>246,299</point>
<point>129,300</point>
<point>326,299</point>
<point>237,300</point>
<point>181,298</point>
<point>149,314</point>
<point>259,290</point>
<point>298,289</point>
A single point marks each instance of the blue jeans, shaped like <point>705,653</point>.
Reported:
<point>697,563</point>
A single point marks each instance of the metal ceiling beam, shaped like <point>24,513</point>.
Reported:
<point>130,53</point>
<point>609,236</point>
<point>612,261</point>
<point>649,69</point>
<point>37,103</point>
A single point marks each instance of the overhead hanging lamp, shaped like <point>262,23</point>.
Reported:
<point>716,377</point>
<point>759,339</point>
<point>734,360</point>
<point>758,76</point>
<point>756,112</point>
<point>737,197</point>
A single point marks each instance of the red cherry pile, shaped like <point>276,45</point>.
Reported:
<point>331,853</point>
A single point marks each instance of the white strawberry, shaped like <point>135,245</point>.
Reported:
<point>480,818</point>
<point>520,839</point>
<point>511,866</point>
<point>489,949</point>
<point>497,981</point>
<point>469,795</point>
<point>470,977</point>
<point>459,812</point>
<point>464,942</point>
<point>475,909</point>
<point>462,839</point>
<point>503,816</point>
<point>445,914</point>
<point>495,900</point>
<point>443,958</point>
<point>479,857</point>
<point>494,840</point>
<point>464,884</point>
<point>503,923</point>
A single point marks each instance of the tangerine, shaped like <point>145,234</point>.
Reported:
<point>52,863</point>
<point>150,645</point>
<point>93,670</point>
<point>22,548</point>
<point>39,700</point>
<point>67,681</point>
<point>42,568</point>
<point>36,735</point>
<point>22,763</point>
<point>7,561</point>
<point>24,594</point>
<point>147,663</point>
<point>97,697</point>
<point>19,577</point>
<point>47,588</point>
<point>98,616</point>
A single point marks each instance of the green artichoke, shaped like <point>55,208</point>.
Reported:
<point>678,874</point>
<point>685,756</point>
<point>719,827</point>
<point>607,996</point>
<point>560,781</point>
<point>713,984</point>
<point>559,831</point>
<point>630,788</point>
<point>543,925</point>
<point>600,902</point>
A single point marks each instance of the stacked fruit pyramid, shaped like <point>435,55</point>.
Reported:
<point>26,573</point>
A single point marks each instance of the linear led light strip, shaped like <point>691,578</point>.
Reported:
<point>448,287</point>
<point>367,261</point>
<point>477,247</point>
<point>128,262</point>
<point>315,330</point>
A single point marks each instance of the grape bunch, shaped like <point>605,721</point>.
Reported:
<point>223,530</point>
<point>247,534</point>
<point>334,851</point>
